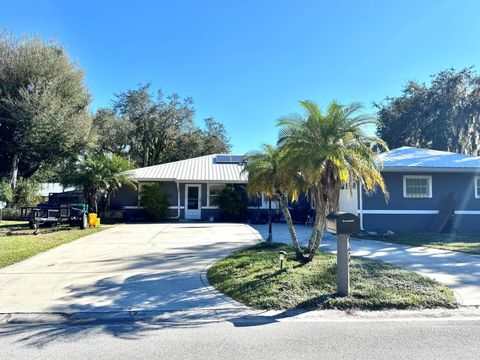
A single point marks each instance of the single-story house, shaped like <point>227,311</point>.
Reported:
<point>428,190</point>
<point>191,185</point>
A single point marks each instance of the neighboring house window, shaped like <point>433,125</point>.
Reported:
<point>477,187</point>
<point>417,186</point>
<point>213,193</point>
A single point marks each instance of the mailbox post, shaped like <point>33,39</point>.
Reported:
<point>343,225</point>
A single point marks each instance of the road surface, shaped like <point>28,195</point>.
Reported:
<point>242,339</point>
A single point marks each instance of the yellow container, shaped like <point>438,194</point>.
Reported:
<point>97,222</point>
<point>92,218</point>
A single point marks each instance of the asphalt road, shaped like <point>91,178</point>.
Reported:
<point>385,339</point>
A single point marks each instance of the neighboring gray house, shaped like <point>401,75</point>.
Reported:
<point>424,185</point>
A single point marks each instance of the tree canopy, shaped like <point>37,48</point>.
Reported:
<point>44,115</point>
<point>327,149</point>
<point>155,128</point>
<point>46,126</point>
<point>96,173</point>
<point>444,115</point>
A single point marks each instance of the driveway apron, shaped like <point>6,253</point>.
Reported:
<point>143,267</point>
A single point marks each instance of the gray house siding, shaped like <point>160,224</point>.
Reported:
<point>125,196</point>
<point>405,214</point>
<point>398,223</point>
<point>127,199</point>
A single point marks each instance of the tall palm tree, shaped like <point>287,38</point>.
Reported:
<point>268,174</point>
<point>329,149</point>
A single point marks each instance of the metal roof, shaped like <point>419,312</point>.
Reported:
<point>207,169</point>
<point>201,169</point>
<point>410,158</point>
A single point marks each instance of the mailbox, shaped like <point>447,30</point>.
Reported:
<point>342,223</point>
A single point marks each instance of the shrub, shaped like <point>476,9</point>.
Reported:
<point>155,201</point>
<point>26,193</point>
<point>232,203</point>
<point>10,214</point>
<point>6,192</point>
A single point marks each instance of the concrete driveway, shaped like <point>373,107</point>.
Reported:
<point>144,267</point>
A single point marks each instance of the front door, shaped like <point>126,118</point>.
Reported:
<point>193,203</point>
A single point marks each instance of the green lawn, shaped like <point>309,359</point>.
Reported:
<point>252,276</point>
<point>469,243</point>
<point>17,242</point>
<point>10,223</point>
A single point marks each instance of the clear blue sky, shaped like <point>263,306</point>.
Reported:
<point>246,62</point>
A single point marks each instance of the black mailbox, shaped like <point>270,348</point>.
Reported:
<point>342,223</point>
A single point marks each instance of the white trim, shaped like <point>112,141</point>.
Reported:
<point>415,169</point>
<point>360,205</point>
<point>176,207</point>
<point>208,195</point>
<point>210,207</point>
<point>417,212</point>
<point>213,182</point>
<point>197,213</point>
<point>400,212</point>
<point>405,177</point>
<point>265,202</point>
<point>467,212</point>
<point>475,185</point>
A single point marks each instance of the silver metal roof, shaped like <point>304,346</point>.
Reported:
<point>205,168</point>
<point>200,169</point>
<point>410,158</point>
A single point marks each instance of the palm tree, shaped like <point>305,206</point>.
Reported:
<point>95,173</point>
<point>328,150</point>
<point>116,176</point>
<point>268,175</point>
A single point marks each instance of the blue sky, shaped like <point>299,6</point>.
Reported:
<point>247,62</point>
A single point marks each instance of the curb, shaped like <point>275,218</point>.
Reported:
<point>240,316</point>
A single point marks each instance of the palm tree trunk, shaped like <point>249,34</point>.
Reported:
<point>108,195</point>
<point>318,227</point>
<point>291,229</point>
<point>92,199</point>
<point>270,238</point>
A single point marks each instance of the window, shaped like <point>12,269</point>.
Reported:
<point>417,186</point>
<point>213,193</point>
<point>477,187</point>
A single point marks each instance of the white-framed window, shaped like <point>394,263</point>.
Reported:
<point>265,202</point>
<point>417,186</point>
<point>477,187</point>
<point>213,194</point>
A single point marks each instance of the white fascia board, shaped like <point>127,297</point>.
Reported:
<point>226,182</point>
<point>400,212</point>
<point>411,169</point>
<point>417,212</point>
<point>153,179</point>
